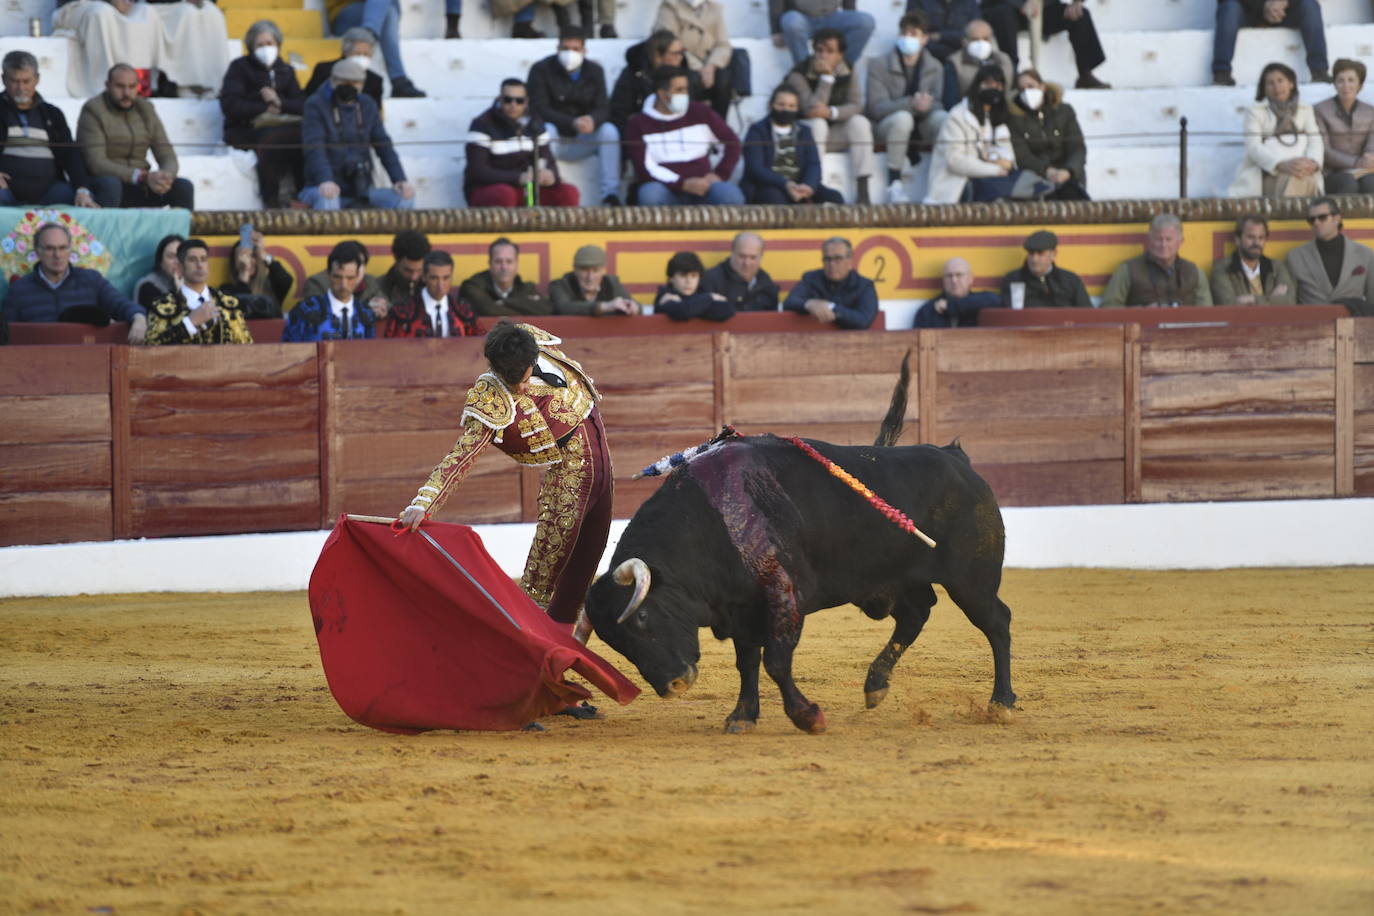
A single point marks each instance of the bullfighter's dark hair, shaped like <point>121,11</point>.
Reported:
<point>438,259</point>
<point>510,350</point>
<point>685,262</point>
<point>347,252</point>
<point>186,247</point>
<point>823,35</point>
<point>409,245</point>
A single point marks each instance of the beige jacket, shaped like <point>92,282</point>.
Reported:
<point>1264,151</point>
<point>116,142</point>
<point>1314,286</point>
<point>701,30</point>
<point>1344,143</point>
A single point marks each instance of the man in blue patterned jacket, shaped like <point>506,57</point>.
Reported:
<point>337,313</point>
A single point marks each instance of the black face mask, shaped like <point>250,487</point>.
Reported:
<point>992,97</point>
<point>783,118</point>
<point>346,93</point>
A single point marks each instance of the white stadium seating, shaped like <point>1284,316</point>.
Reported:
<point>1158,61</point>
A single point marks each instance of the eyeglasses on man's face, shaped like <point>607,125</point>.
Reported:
<point>1318,218</point>
<point>513,100</point>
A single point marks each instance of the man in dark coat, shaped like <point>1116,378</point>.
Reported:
<point>1043,283</point>
<point>39,163</point>
<point>741,278</point>
<point>568,92</point>
<point>498,290</point>
<point>957,305</point>
<point>55,286</point>
<point>509,154</point>
<point>835,294</point>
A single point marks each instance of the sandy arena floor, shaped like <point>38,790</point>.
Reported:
<point>1186,742</point>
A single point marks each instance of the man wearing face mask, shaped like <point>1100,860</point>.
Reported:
<point>569,92</point>
<point>1046,137</point>
<point>904,91</point>
<point>979,50</point>
<point>1008,17</point>
<point>781,164</point>
<point>341,127</point>
<point>670,144</point>
<point>832,104</point>
<point>948,19</point>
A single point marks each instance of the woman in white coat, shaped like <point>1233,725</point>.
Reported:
<point>974,148</point>
<point>1283,144</point>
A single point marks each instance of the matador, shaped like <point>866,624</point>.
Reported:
<point>538,405</point>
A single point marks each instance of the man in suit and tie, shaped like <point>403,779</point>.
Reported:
<point>338,313</point>
<point>195,312</point>
<point>1331,267</point>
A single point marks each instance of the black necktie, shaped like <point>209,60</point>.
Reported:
<point>438,319</point>
<point>343,318</point>
<point>550,379</point>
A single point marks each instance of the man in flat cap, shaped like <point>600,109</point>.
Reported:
<point>340,128</point>
<point>588,290</point>
<point>1045,285</point>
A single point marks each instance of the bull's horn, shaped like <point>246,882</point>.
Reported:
<point>637,571</point>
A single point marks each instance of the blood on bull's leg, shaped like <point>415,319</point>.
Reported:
<point>746,712</point>
<point>784,622</point>
<point>910,614</point>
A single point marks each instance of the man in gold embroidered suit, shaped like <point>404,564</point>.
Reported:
<point>195,312</point>
<point>538,405</point>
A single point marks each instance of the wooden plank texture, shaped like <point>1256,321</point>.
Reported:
<point>1208,477</point>
<point>261,366</point>
<point>55,418</point>
<point>846,398</point>
<point>635,449</point>
<point>405,456</point>
<point>270,505</point>
<point>1363,386</point>
<point>1045,393</point>
<point>1014,440</point>
<point>1364,453</point>
<point>488,499</point>
<point>1345,407</point>
<point>1364,341</point>
<point>195,461</point>
<point>55,518</point>
<point>55,370</point>
<point>1245,391</point>
<point>1233,349</point>
<point>55,466</point>
<point>1028,349</point>
<point>384,409</point>
<point>1058,483</point>
<point>659,407</point>
<point>791,355</point>
<point>161,412</point>
<point>1239,435</point>
<point>444,363</point>
<point>647,361</point>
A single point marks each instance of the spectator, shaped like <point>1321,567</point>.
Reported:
<point>257,280</point>
<point>262,105</point>
<point>1158,276</point>
<point>588,290</point>
<point>338,129</point>
<point>781,164</point>
<point>1042,283</point>
<point>39,164</point>
<point>116,130</point>
<point>670,144</point>
<point>523,11</point>
<point>957,305</point>
<point>832,104</point>
<point>383,19</point>
<point>367,288</point>
<point>1046,137</point>
<point>165,276</point>
<point>1283,145</point>
<point>683,297</point>
<point>357,43</point>
<point>636,81</point>
<point>978,52</point>
<point>195,312</point>
<point>1303,15</point>
<point>835,293</point>
<point>498,290</point>
<point>57,290</point>
<point>1347,127</point>
<point>402,281</point>
<point>1331,267</point>
<point>181,45</point>
<point>700,24</point>
<point>1008,17</point>
<point>508,153</point>
<point>436,309</point>
<point>569,92</point>
<point>1247,277</point>
<point>605,10</point>
<point>905,91</point>
<point>796,22</point>
<point>974,156</point>
<point>741,278</point>
<point>947,20</point>
<point>337,314</point>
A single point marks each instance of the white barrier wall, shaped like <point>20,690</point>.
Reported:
<point>1325,532</point>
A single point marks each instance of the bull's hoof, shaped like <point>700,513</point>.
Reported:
<point>739,726</point>
<point>810,720</point>
<point>873,697</point>
<point>999,714</point>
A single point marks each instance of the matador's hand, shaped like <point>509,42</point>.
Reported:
<point>412,517</point>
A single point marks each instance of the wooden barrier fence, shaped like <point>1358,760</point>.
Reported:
<point>102,441</point>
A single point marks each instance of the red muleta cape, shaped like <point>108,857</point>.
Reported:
<point>410,643</point>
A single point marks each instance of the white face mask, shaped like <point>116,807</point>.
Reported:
<point>677,103</point>
<point>980,49</point>
<point>695,3</point>
<point>570,59</point>
<point>1033,98</point>
<point>266,55</point>
<point>909,45</point>
<point>362,59</point>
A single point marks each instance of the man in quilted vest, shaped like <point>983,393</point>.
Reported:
<point>116,131</point>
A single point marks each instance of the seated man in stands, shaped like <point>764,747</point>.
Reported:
<point>339,130</point>
<point>1040,283</point>
<point>957,305</point>
<point>367,288</point>
<point>508,155</point>
<point>1158,276</point>
<point>961,68</point>
<point>835,294</point>
<point>1247,277</point>
<point>498,290</point>
<point>116,131</point>
<point>1332,268</point>
<point>948,19</point>
<point>588,290</point>
<point>402,282</point>
<point>436,309</point>
<point>781,162</point>
<point>383,19</point>
<point>338,314</point>
<point>906,89</point>
<point>39,164</point>
<point>796,22</point>
<point>1303,15</point>
<point>56,288</point>
<point>741,278</point>
<point>195,312</point>
<point>568,92</point>
<point>636,82</point>
<point>683,297</point>
<point>1007,17</point>
<point>832,104</point>
<point>357,43</point>
<point>670,144</point>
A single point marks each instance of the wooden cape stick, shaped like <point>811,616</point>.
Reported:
<point>377,519</point>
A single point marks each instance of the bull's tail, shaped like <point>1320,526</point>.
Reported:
<point>891,430</point>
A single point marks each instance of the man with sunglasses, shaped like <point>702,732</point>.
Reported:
<point>509,156</point>
<point>1331,267</point>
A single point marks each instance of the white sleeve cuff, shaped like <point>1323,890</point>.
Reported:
<point>190,326</point>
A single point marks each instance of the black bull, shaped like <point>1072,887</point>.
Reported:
<point>750,538</point>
